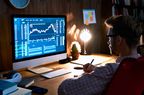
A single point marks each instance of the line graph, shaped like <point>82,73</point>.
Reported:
<point>45,30</point>
<point>42,32</point>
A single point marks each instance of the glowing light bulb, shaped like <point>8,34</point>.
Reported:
<point>85,35</point>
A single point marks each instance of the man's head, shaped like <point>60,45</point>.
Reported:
<point>123,29</point>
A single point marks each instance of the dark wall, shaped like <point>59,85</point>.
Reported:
<point>106,11</point>
<point>50,7</point>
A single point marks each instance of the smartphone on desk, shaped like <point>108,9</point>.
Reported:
<point>38,90</point>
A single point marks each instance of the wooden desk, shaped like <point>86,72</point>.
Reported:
<point>53,84</point>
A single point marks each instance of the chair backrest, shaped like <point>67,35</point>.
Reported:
<point>140,49</point>
<point>128,79</point>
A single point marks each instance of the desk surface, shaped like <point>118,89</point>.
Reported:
<point>52,84</point>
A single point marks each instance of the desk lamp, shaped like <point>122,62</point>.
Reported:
<point>85,36</point>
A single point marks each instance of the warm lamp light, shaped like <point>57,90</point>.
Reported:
<point>85,36</point>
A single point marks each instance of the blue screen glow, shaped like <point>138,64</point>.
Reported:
<point>38,36</point>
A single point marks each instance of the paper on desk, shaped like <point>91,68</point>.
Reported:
<point>87,59</point>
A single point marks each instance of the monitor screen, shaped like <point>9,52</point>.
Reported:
<point>38,40</point>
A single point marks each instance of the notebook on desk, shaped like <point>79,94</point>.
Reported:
<point>87,59</point>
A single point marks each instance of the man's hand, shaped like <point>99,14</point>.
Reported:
<point>88,68</point>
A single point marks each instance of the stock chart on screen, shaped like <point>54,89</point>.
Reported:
<point>34,36</point>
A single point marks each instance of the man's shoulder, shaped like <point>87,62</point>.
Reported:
<point>112,66</point>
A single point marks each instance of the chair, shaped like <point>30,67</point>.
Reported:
<point>140,49</point>
<point>128,79</point>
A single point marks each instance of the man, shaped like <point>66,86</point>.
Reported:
<point>124,35</point>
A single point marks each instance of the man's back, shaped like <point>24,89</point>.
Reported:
<point>128,79</point>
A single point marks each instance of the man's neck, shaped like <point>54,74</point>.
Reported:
<point>127,53</point>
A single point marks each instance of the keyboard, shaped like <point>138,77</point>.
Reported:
<point>56,73</point>
<point>40,70</point>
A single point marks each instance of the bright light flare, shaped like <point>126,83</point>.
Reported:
<point>85,35</point>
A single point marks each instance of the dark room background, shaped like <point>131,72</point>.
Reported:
<point>71,8</point>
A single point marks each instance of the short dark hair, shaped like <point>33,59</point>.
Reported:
<point>127,27</point>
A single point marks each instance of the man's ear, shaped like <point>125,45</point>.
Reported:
<point>119,41</point>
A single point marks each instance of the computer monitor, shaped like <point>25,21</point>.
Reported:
<point>38,39</point>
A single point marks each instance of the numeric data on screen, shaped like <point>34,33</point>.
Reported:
<point>38,36</point>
